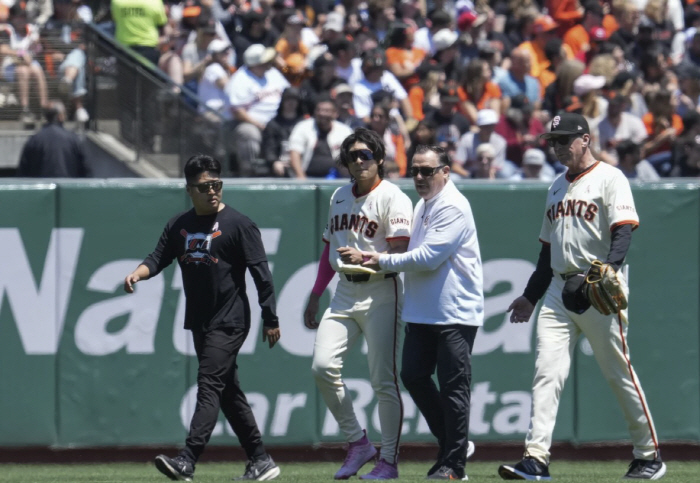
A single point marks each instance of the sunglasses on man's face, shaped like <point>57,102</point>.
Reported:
<point>425,171</point>
<point>209,185</point>
<point>363,154</point>
<point>560,140</point>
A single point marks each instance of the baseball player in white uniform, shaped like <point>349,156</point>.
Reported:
<point>589,215</point>
<point>371,215</point>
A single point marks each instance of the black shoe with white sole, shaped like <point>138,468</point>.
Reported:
<point>260,469</point>
<point>447,473</point>
<point>438,464</point>
<point>177,468</point>
<point>646,470</point>
<point>528,469</point>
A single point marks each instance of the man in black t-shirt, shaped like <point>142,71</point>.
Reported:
<point>450,124</point>
<point>214,246</point>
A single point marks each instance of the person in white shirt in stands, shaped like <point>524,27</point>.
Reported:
<point>348,67</point>
<point>535,166</point>
<point>213,82</point>
<point>255,93</point>
<point>483,167</point>
<point>315,143</point>
<point>443,306</point>
<point>465,156</point>
<point>423,39</point>
<point>376,78</point>
<point>632,164</point>
<point>332,32</point>
<point>194,53</point>
<point>617,126</point>
<point>20,39</point>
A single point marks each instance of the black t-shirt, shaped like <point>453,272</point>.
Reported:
<point>214,252</point>
<point>322,159</point>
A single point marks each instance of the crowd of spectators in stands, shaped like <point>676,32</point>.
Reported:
<point>286,79</point>
<point>40,45</point>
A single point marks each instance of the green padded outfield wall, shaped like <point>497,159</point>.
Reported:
<point>84,364</point>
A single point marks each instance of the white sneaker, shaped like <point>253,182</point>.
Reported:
<point>81,115</point>
<point>470,449</point>
<point>27,119</point>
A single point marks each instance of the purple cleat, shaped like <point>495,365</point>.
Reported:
<point>359,453</point>
<point>382,471</point>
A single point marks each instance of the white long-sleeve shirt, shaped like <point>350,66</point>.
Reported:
<point>444,280</point>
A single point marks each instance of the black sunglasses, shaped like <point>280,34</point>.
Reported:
<point>561,140</point>
<point>209,185</point>
<point>425,171</point>
<point>363,154</point>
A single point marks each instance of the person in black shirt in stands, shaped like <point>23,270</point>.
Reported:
<point>214,246</point>
<point>53,152</point>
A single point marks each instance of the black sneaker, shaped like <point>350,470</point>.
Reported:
<point>177,468</point>
<point>646,470</point>
<point>438,463</point>
<point>528,469</point>
<point>260,469</point>
<point>435,467</point>
<point>447,473</point>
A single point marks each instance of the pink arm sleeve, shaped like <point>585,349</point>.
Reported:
<point>325,272</point>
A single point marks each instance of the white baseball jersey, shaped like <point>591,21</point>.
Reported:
<point>582,212</point>
<point>367,222</point>
<point>580,215</point>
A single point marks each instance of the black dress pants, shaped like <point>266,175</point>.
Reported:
<point>448,349</point>
<point>218,388</point>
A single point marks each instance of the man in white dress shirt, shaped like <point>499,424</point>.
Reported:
<point>443,306</point>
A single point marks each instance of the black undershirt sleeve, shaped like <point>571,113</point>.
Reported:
<point>621,238</point>
<point>541,277</point>
<point>256,261</point>
<point>266,293</point>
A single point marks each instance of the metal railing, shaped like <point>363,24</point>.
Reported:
<point>129,98</point>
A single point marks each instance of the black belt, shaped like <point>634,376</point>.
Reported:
<point>567,276</point>
<point>364,277</point>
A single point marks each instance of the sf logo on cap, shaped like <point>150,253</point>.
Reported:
<point>555,121</point>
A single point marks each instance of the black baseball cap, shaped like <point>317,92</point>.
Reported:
<point>567,124</point>
<point>448,93</point>
<point>521,101</point>
<point>592,6</point>
<point>374,58</point>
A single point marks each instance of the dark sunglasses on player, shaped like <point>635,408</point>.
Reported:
<point>425,171</point>
<point>209,185</point>
<point>363,154</point>
<point>561,140</point>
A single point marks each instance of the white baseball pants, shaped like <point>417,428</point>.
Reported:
<point>371,309</point>
<point>557,333</point>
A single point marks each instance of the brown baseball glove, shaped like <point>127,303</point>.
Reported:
<point>603,289</point>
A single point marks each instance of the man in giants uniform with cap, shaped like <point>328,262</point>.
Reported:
<point>589,216</point>
<point>370,215</point>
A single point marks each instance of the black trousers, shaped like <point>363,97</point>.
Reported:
<point>218,388</point>
<point>447,348</point>
<point>151,53</point>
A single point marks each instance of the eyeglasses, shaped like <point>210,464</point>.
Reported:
<point>561,140</point>
<point>209,185</point>
<point>425,171</point>
<point>363,154</point>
